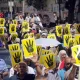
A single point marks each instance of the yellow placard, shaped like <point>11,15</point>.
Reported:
<point>29,47</point>
<point>67,29</point>
<point>12,28</point>
<point>59,31</point>
<point>49,61</point>
<point>16,57</point>
<point>1,30</point>
<point>77,38</point>
<point>66,39</point>
<point>25,26</point>
<point>15,22</point>
<point>76,54</point>
<point>37,36</point>
<point>14,47</point>
<point>14,36</point>
<point>51,36</point>
<point>71,42</point>
<point>2,22</point>
<point>78,28</point>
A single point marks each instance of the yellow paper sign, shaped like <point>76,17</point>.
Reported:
<point>12,28</point>
<point>51,36</point>
<point>16,57</point>
<point>66,39</point>
<point>78,28</point>
<point>29,47</point>
<point>77,38</point>
<point>2,22</point>
<point>1,30</point>
<point>49,61</point>
<point>76,54</point>
<point>14,47</point>
<point>25,26</point>
<point>59,31</point>
<point>37,36</point>
<point>67,29</point>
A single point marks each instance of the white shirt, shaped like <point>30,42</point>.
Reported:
<point>30,71</point>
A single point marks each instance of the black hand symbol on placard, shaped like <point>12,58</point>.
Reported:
<point>78,28</point>
<point>67,39</point>
<point>71,43</point>
<point>38,50</point>
<point>46,52</point>
<point>78,56</point>
<point>49,61</point>
<point>1,31</point>
<point>13,38</point>
<point>59,30</point>
<point>29,46</point>
<point>66,31</point>
<point>1,21</point>
<point>17,57</point>
<point>14,47</point>
<point>78,42</point>
<point>25,36</point>
<point>12,28</point>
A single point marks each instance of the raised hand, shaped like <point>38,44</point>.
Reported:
<point>17,57</point>
<point>29,46</point>
<point>49,61</point>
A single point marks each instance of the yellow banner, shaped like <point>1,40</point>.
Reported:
<point>76,54</point>
<point>51,36</point>
<point>12,28</point>
<point>14,47</point>
<point>1,30</point>
<point>59,31</point>
<point>2,22</point>
<point>25,26</point>
<point>66,39</point>
<point>78,28</point>
<point>67,29</point>
<point>16,57</point>
<point>77,38</point>
<point>29,47</point>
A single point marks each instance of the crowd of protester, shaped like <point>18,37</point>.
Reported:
<point>31,69</point>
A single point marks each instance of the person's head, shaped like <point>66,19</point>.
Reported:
<point>46,18</point>
<point>62,55</point>
<point>67,64</point>
<point>17,40</point>
<point>22,68</point>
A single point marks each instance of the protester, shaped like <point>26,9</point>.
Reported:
<point>22,74</point>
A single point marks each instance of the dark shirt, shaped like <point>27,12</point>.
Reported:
<point>26,77</point>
